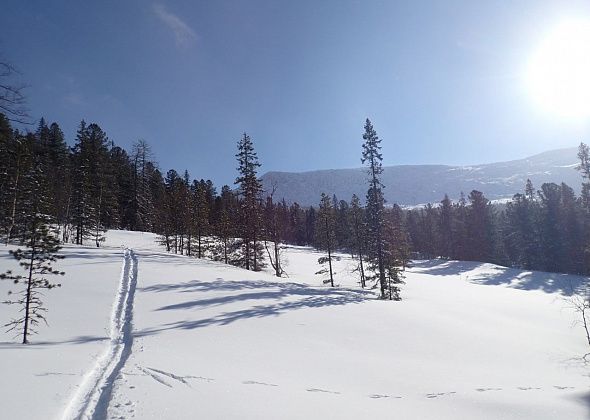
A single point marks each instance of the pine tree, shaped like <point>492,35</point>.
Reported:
<point>142,203</point>
<point>584,168</point>
<point>460,234</point>
<point>358,232</point>
<point>396,251</point>
<point>326,236</point>
<point>445,228</point>
<point>430,236</point>
<point>480,229</point>
<point>375,204</point>
<point>42,245</point>
<point>224,225</point>
<point>19,155</point>
<point>94,185</point>
<point>551,238</point>
<point>200,207</point>
<point>274,232</point>
<point>57,169</point>
<point>250,189</point>
<point>6,145</point>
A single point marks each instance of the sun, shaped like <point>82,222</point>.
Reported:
<point>558,73</point>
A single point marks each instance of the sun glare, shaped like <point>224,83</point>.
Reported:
<point>558,74</point>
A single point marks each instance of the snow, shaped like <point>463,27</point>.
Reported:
<point>469,340</point>
<point>92,397</point>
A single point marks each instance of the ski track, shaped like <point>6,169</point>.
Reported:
<point>91,400</point>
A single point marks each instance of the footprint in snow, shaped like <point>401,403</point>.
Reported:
<point>527,388</point>
<point>563,387</point>
<point>379,396</point>
<point>201,378</point>
<point>55,374</point>
<point>440,394</point>
<point>257,383</point>
<point>488,389</point>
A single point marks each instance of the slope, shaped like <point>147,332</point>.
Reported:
<point>469,340</point>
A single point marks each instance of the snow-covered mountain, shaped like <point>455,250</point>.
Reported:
<point>418,184</point>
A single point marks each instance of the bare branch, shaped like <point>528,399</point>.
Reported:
<point>12,96</point>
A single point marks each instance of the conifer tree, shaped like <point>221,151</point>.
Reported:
<point>445,228</point>
<point>550,234</point>
<point>396,251</point>
<point>250,189</point>
<point>326,236</point>
<point>200,215</point>
<point>224,226</point>
<point>57,170</point>
<point>19,156</point>
<point>375,204</point>
<point>358,232</point>
<point>94,185</point>
<point>460,248</point>
<point>479,227</point>
<point>274,232</point>
<point>42,245</point>
<point>584,168</point>
<point>142,203</point>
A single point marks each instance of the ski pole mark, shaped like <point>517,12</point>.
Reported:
<point>155,377</point>
<point>170,375</point>
<point>257,383</point>
<point>379,396</point>
<point>326,391</point>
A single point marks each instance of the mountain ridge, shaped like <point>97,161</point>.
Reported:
<point>427,183</point>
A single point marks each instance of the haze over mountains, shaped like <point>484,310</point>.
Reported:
<point>409,185</point>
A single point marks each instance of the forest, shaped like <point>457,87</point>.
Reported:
<point>94,185</point>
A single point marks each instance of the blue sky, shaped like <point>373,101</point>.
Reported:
<point>442,81</point>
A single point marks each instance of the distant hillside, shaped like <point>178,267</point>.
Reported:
<point>418,184</point>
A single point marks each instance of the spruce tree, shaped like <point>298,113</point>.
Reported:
<point>200,207</point>
<point>358,232</point>
<point>42,246</point>
<point>326,236</point>
<point>445,228</point>
<point>274,232</point>
<point>396,251</point>
<point>224,225</point>
<point>375,204</point>
<point>480,229</point>
<point>250,189</point>
<point>142,203</point>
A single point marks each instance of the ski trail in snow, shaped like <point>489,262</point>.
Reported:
<point>92,398</point>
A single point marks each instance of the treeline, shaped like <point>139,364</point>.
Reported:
<point>546,229</point>
<point>95,185</point>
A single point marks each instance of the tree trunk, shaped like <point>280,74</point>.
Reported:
<point>329,254</point>
<point>29,290</point>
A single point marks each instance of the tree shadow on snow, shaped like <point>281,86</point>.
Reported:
<point>583,398</point>
<point>34,344</point>
<point>494,275</point>
<point>277,298</point>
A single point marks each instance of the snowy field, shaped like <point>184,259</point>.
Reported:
<point>150,335</point>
